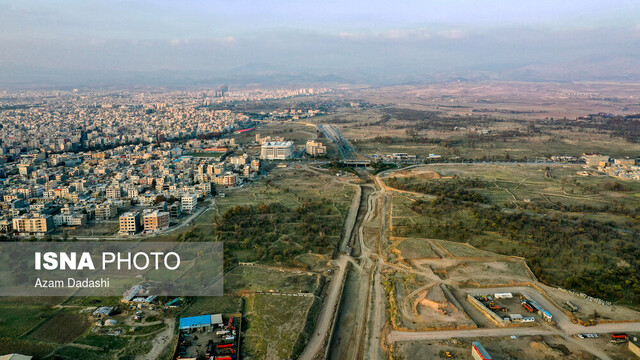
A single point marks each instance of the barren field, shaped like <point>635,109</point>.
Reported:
<point>62,328</point>
<point>525,347</point>
<point>515,99</point>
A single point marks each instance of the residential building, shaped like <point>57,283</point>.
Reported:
<point>174,210</point>
<point>6,226</point>
<point>315,148</point>
<point>36,223</point>
<point>227,180</point>
<point>129,223</point>
<point>106,211</point>
<point>189,202</point>
<point>69,219</point>
<point>113,192</point>
<point>156,220</point>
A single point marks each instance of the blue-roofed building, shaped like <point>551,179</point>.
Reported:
<point>196,322</point>
<point>478,352</point>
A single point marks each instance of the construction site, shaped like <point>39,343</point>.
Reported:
<point>209,337</point>
<point>443,295</point>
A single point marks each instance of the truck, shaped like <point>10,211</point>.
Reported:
<point>223,346</point>
<point>620,336</point>
<point>527,306</point>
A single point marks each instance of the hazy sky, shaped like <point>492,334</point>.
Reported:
<point>368,35</point>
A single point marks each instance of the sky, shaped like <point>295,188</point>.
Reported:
<point>383,39</point>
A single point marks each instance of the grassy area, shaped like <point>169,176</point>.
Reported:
<point>99,228</point>
<point>64,327</point>
<point>227,304</point>
<point>463,250</point>
<point>106,342</point>
<point>288,213</point>
<point>72,352</point>
<point>16,320</point>
<point>415,249</point>
<point>10,345</point>
<point>258,278</point>
<point>275,328</point>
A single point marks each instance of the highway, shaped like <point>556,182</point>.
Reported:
<point>333,133</point>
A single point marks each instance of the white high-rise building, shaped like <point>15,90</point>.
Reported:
<point>276,150</point>
<point>189,202</point>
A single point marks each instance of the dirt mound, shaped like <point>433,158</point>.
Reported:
<point>434,299</point>
<point>545,348</point>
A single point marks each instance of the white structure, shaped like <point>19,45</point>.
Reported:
<point>189,202</point>
<point>315,148</point>
<point>70,219</point>
<point>503,295</point>
<point>276,150</point>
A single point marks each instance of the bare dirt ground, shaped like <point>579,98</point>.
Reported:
<point>587,307</point>
<point>509,99</point>
<point>522,347</point>
<point>160,342</point>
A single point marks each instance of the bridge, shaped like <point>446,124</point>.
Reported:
<point>355,162</point>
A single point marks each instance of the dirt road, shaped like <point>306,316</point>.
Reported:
<point>160,342</point>
<point>472,333</point>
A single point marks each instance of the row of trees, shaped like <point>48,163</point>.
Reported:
<point>450,188</point>
<point>276,233</point>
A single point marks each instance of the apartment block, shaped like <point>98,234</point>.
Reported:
<point>129,223</point>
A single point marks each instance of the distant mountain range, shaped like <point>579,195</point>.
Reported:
<point>14,76</point>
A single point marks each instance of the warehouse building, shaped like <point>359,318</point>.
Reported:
<point>202,321</point>
<point>478,352</point>
<point>16,357</point>
<point>634,346</point>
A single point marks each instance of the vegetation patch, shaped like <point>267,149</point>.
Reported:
<point>416,249</point>
<point>277,328</point>
<point>64,327</point>
<point>451,188</point>
<point>16,320</point>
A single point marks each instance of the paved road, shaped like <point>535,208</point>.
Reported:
<point>329,307</point>
<point>323,324</point>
